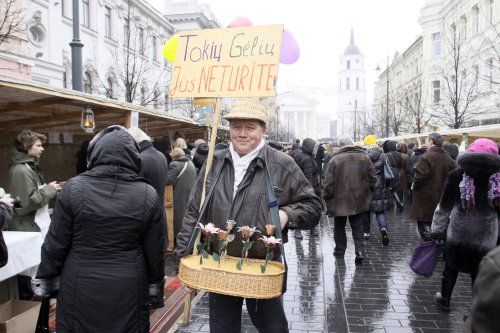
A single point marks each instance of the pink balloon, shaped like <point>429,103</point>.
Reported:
<point>290,50</point>
<point>241,21</point>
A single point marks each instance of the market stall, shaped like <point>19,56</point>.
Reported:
<point>60,114</point>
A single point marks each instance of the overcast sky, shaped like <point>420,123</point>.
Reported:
<point>322,29</point>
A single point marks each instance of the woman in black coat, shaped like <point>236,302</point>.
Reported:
<point>396,163</point>
<point>467,215</point>
<point>381,200</point>
<point>105,243</point>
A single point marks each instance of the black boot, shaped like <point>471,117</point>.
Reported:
<point>442,298</point>
<point>441,302</point>
<point>359,257</point>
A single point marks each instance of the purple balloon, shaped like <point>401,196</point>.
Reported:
<point>290,50</point>
<point>241,21</point>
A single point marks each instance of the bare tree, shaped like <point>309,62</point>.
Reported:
<point>378,121</point>
<point>11,19</point>
<point>460,98</point>
<point>414,102</point>
<point>132,67</point>
<point>397,114</point>
<point>490,51</point>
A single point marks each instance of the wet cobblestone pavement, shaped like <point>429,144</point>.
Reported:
<point>381,295</point>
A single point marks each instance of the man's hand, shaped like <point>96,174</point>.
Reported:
<point>55,185</point>
<point>283,219</point>
<point>7,200</point>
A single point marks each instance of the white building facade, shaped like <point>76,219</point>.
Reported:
<point>351,94</point>
<point>298,118</point>
<point>452,70</point>
<point>122,53</point>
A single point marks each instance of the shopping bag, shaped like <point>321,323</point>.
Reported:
<point>424,257</point>
<point>42,324</point>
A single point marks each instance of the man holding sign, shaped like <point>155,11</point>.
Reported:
<point>238,180</point>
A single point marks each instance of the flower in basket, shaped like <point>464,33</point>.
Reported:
<point>270,243</point>
<point>209,231</point>
<point>246,233</point>
<point>230,225</point>
<point>224,238</point>
<point>270,229</point>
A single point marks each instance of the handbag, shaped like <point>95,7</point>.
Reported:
<point>42,324</point>
<point>388,174</point>
<point>424,258</point>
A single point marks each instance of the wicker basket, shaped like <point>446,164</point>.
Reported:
<point>227,280</point>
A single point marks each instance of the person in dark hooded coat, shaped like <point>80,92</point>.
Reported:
<point>200,156</point>
<point>105,243</point>
<point>467,215</point>
<point>381,200</point>
<point>295,148</point>
<point>395,161</point>
<point>306,162</point>
<point>154,164</point>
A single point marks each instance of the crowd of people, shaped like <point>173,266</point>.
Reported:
<point>108,234</point>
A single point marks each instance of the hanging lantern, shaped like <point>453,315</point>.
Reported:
<point>87,122</point>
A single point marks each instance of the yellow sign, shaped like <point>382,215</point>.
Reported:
<point>236,62</point>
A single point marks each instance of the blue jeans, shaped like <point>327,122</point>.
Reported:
<point>381,219</point>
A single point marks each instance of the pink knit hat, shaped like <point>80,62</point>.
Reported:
<point>485,146</point>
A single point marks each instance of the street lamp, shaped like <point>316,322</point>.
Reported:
<point>386,96</point>
<point>76,50</point>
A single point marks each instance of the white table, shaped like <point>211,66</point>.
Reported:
<point>24,252</point>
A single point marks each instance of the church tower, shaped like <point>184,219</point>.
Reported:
<point>351,93</point>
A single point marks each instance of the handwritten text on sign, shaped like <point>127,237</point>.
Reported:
<point>236,62</point>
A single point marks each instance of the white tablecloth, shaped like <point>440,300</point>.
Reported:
<point>24,252</point>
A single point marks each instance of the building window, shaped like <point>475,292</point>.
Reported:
<point>348,64</point>
<point>490,73</point>
<point>476,74</point>
<point>155,51</point>
<point>87,83</point>
<point>436,44</point>
<point>476,19</point>
<point>463,28</point>
<point>110,91</point>
<point>143,96</point>
<point>65,80</point>
<point>141,40</point>
<point>357,83</point>
<point>36,35</point>
<point>155,101</point>
<point>436,92</point>
<point>347,84</point>
<point>86,13</point>
<point>340,84</point>
<point>107,21</point>
<point>126,32</point>
<point>64,8</point>
<point>492,11</point>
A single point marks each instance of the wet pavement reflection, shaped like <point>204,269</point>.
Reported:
<point>381,295</point>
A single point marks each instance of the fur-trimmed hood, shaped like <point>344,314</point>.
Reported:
<point>478,165</point>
